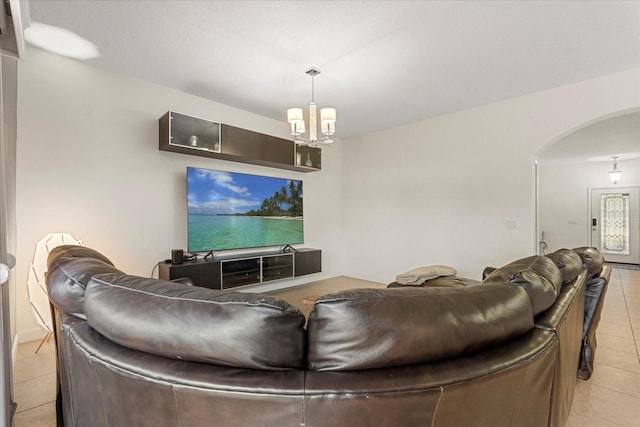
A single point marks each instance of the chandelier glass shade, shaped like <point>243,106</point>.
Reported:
<point>616,173</point>
<point>295,117</point>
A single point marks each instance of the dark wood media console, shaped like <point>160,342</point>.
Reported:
<point>226,272</point>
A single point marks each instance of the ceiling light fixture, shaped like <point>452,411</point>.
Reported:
<point>327,120</point>
<point>616,173</point>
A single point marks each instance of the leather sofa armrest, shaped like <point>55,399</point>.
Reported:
<point>596,290</point>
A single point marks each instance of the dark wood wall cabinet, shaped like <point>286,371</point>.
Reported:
<point>180,133</point>
<point>232,271</point>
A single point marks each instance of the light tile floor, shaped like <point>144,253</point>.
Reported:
<point>610,398</point>
<point>34,385</point>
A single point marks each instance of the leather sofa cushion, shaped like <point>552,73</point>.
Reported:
<point>74,251</point>
<point>538,275</point>
<point>197,324</point>
<point>378,328</point>
<point>67,279</point>
<point>568,262</point>
<point>592,260</point>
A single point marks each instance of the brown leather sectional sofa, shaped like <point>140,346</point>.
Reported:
<point>135,351</point>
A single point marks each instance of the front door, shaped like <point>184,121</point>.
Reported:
<point>615,224</point>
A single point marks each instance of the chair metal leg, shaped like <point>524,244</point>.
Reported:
<point>46,338</point>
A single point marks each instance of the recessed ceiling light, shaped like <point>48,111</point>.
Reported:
<point>61,41</point>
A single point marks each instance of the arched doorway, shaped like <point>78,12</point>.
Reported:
<point>567,171</point>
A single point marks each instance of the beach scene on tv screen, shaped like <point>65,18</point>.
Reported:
<point>228,210</point>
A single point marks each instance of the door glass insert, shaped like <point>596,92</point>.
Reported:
<point>614,214</point>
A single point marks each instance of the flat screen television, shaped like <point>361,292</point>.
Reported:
<point>229,210</point>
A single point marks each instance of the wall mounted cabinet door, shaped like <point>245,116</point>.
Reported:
<point>189,135</point>
<point>241,142</point>
<point>277,150</point>
<point>308,157</point>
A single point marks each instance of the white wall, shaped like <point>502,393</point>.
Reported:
<point>564,208</point>
<point>456,189</point>
<point>89,164</point>
<point>459,189</point>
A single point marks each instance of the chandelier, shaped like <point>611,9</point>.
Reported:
<point>327,120</point>
<point>616,173</point>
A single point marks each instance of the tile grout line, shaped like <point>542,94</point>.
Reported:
<point>35,407</point>
<point>32,379</point>
<point>616,281</point>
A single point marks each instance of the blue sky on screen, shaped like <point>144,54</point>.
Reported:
<point>218,192</point>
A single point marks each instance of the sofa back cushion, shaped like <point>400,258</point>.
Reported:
<point>378,328</point>
<point>74,251</point>
<point>197,324</point>
<point>568,262</point>
<point>592,260</point>
<point>67,279</point>
<point>538,275</point>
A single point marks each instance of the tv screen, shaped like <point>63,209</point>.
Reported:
<point>229,210</point>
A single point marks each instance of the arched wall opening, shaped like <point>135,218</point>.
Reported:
<point>576,162</point>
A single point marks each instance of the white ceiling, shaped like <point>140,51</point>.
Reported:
<point>384,63</point>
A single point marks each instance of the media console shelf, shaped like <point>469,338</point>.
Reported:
<point>227,272</point>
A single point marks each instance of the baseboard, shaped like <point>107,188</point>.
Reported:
<point>30,335</point>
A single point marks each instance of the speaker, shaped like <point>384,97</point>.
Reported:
<point>177,256</point>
